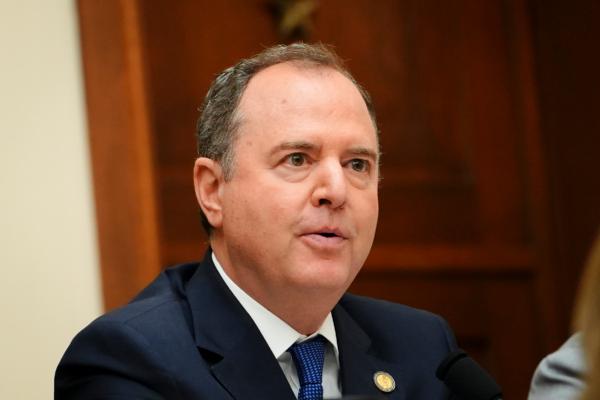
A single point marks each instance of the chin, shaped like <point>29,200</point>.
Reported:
<point>333,275</point>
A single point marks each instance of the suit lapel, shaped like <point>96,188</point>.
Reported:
<point>357,363</point>
<point>249,371</point>
<point>240,359</point>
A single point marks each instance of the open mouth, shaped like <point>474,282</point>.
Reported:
<point>327,234</point>
<point>325,240</point>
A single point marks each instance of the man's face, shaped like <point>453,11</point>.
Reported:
<point>300,210</point>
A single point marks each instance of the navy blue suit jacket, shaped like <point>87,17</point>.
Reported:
<point>186,337</point>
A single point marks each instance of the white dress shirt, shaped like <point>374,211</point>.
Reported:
<point>280,336</point>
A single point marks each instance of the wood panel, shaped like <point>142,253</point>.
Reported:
<point>121,147</point>
<point>567,67</point>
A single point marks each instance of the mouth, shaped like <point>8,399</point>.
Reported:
<point>327,234</point>
<point>325,238</point>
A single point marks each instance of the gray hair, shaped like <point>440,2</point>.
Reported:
<point>217,127</point>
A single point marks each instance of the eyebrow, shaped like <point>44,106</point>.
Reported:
<point>308,146</point>
<point>364,152</point>
<point>294,145</point>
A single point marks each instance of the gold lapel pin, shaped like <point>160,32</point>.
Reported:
<point>384,381</point>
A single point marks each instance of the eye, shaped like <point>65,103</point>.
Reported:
<point>359,165</point>
<point>296,159</point>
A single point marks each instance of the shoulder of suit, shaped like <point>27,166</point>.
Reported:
<point>396,329</point>
<point>368,305</point>
<point>162,298</point>
<point>384,318</point>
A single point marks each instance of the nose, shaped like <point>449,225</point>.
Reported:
<point>330,186</point>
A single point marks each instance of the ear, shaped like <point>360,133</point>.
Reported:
<point>208,181</point>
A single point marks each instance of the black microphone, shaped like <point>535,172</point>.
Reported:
<point>467,379</point>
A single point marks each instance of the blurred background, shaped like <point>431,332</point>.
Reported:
<point>489,123</point>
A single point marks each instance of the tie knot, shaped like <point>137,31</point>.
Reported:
<point>308,357</point>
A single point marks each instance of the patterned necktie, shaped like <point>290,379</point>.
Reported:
<point>308,357</point>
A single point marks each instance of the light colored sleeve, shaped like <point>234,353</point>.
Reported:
<point>560,375</point>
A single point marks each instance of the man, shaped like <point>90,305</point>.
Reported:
<point>287,180</point>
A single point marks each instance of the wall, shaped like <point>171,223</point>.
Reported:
<point>49,287</point>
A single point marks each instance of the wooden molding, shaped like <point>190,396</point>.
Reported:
<point>121,147</point>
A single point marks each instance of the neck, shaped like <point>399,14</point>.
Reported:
<point>305,320</point>
<point>302,308</point>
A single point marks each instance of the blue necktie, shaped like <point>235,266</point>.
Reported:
<point>308,357</point>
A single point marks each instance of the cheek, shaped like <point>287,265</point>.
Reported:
<point>282,199</point>
<point>367,221</point>
<point>261,208</point>
<point>238,203</point>
<point>375,212</point>
<point>369,206</point>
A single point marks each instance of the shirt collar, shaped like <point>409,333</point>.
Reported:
<point>277,333</point>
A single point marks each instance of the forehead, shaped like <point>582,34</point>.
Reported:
<point>281,82</point>
<point>298,93</point>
